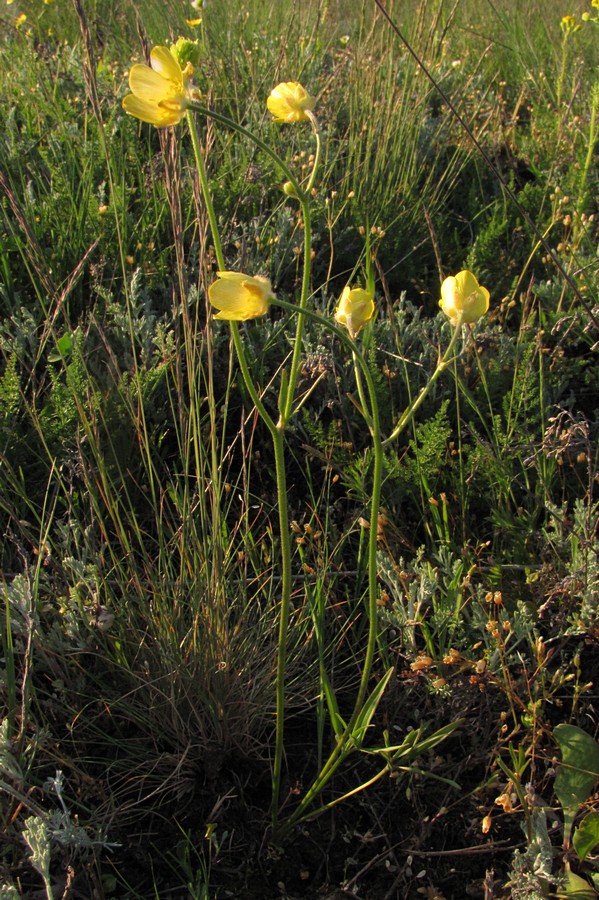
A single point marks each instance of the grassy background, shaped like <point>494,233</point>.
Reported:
<point>137,502</point>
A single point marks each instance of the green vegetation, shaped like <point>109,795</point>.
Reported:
<point>431,726</point>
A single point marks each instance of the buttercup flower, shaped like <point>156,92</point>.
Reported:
<point>240,297</point>
<point>159,91</point>
<point>289,101</point>
<point>463,299</point>
<point>356,307</point>
<point>569,25</point>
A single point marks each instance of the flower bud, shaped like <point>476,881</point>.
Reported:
<point>463,299</point>
<point>186,51</point>
<point>356,307</point>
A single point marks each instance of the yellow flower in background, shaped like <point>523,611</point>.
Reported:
<point>569,25</point>
<point>356,307</point>
<point>463,299</point>
<point>240,297</point>
<point>20,20</point>
<point>290,102</point>
<point>193,23</point>
<point>159,91</point>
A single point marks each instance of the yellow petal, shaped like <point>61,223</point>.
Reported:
<point>163,62</point>
<point>149,85</point>
<point>356,307</point>
<point>239,277</point>
<point>240,297</point>
<point>463,299</point>
<point>151,112</point>
<point>289,101</point>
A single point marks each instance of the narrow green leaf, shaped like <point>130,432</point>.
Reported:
<point>369,708</point>
<point>412,746</point>
<point>336,721</point>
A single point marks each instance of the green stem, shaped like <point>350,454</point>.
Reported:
<point>199,158</point>
<point>303,197</point>
<point>279,451</point>
<point>235,126</point>
<point>562,73</point>
<point>361,394</point>
<point>343,745</point>
<point>442,364</point>
<point>314,124</point>
<point>285,609</point>
<point>299,329</point>
<point>220,260</point>
<point>582,196</point>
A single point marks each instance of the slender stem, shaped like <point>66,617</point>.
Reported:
<point>303,197</point>
<point>235,126</point>
<point>220,259</point>
<point>284,612</point>
<point>248,381</point>
<point>316,131</point>
<point>343,745</point>
<point>361,394</point>
<point>279,451</point>
<point>199,158</point>
<point>299,329</point>
<point>442,364</point>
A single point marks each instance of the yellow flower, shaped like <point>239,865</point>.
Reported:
<point>569,25</point>
<point>463,299</point>
<point>356,307</point>
<point>193,23</point>
<point>20,20</point>
<point>160,93</point>
<point>239,297</point>
<point>290,102</point>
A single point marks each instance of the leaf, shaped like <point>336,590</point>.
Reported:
<point>35,835</point>
<point>577,887</point>
<point>64,348</point>
<point>578,772</point>
<point>336,721</point>
<point>369,709</point>
<point>413,745</point>
<point>586,835</point>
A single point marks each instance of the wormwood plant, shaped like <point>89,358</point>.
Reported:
<point>163,94</point>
